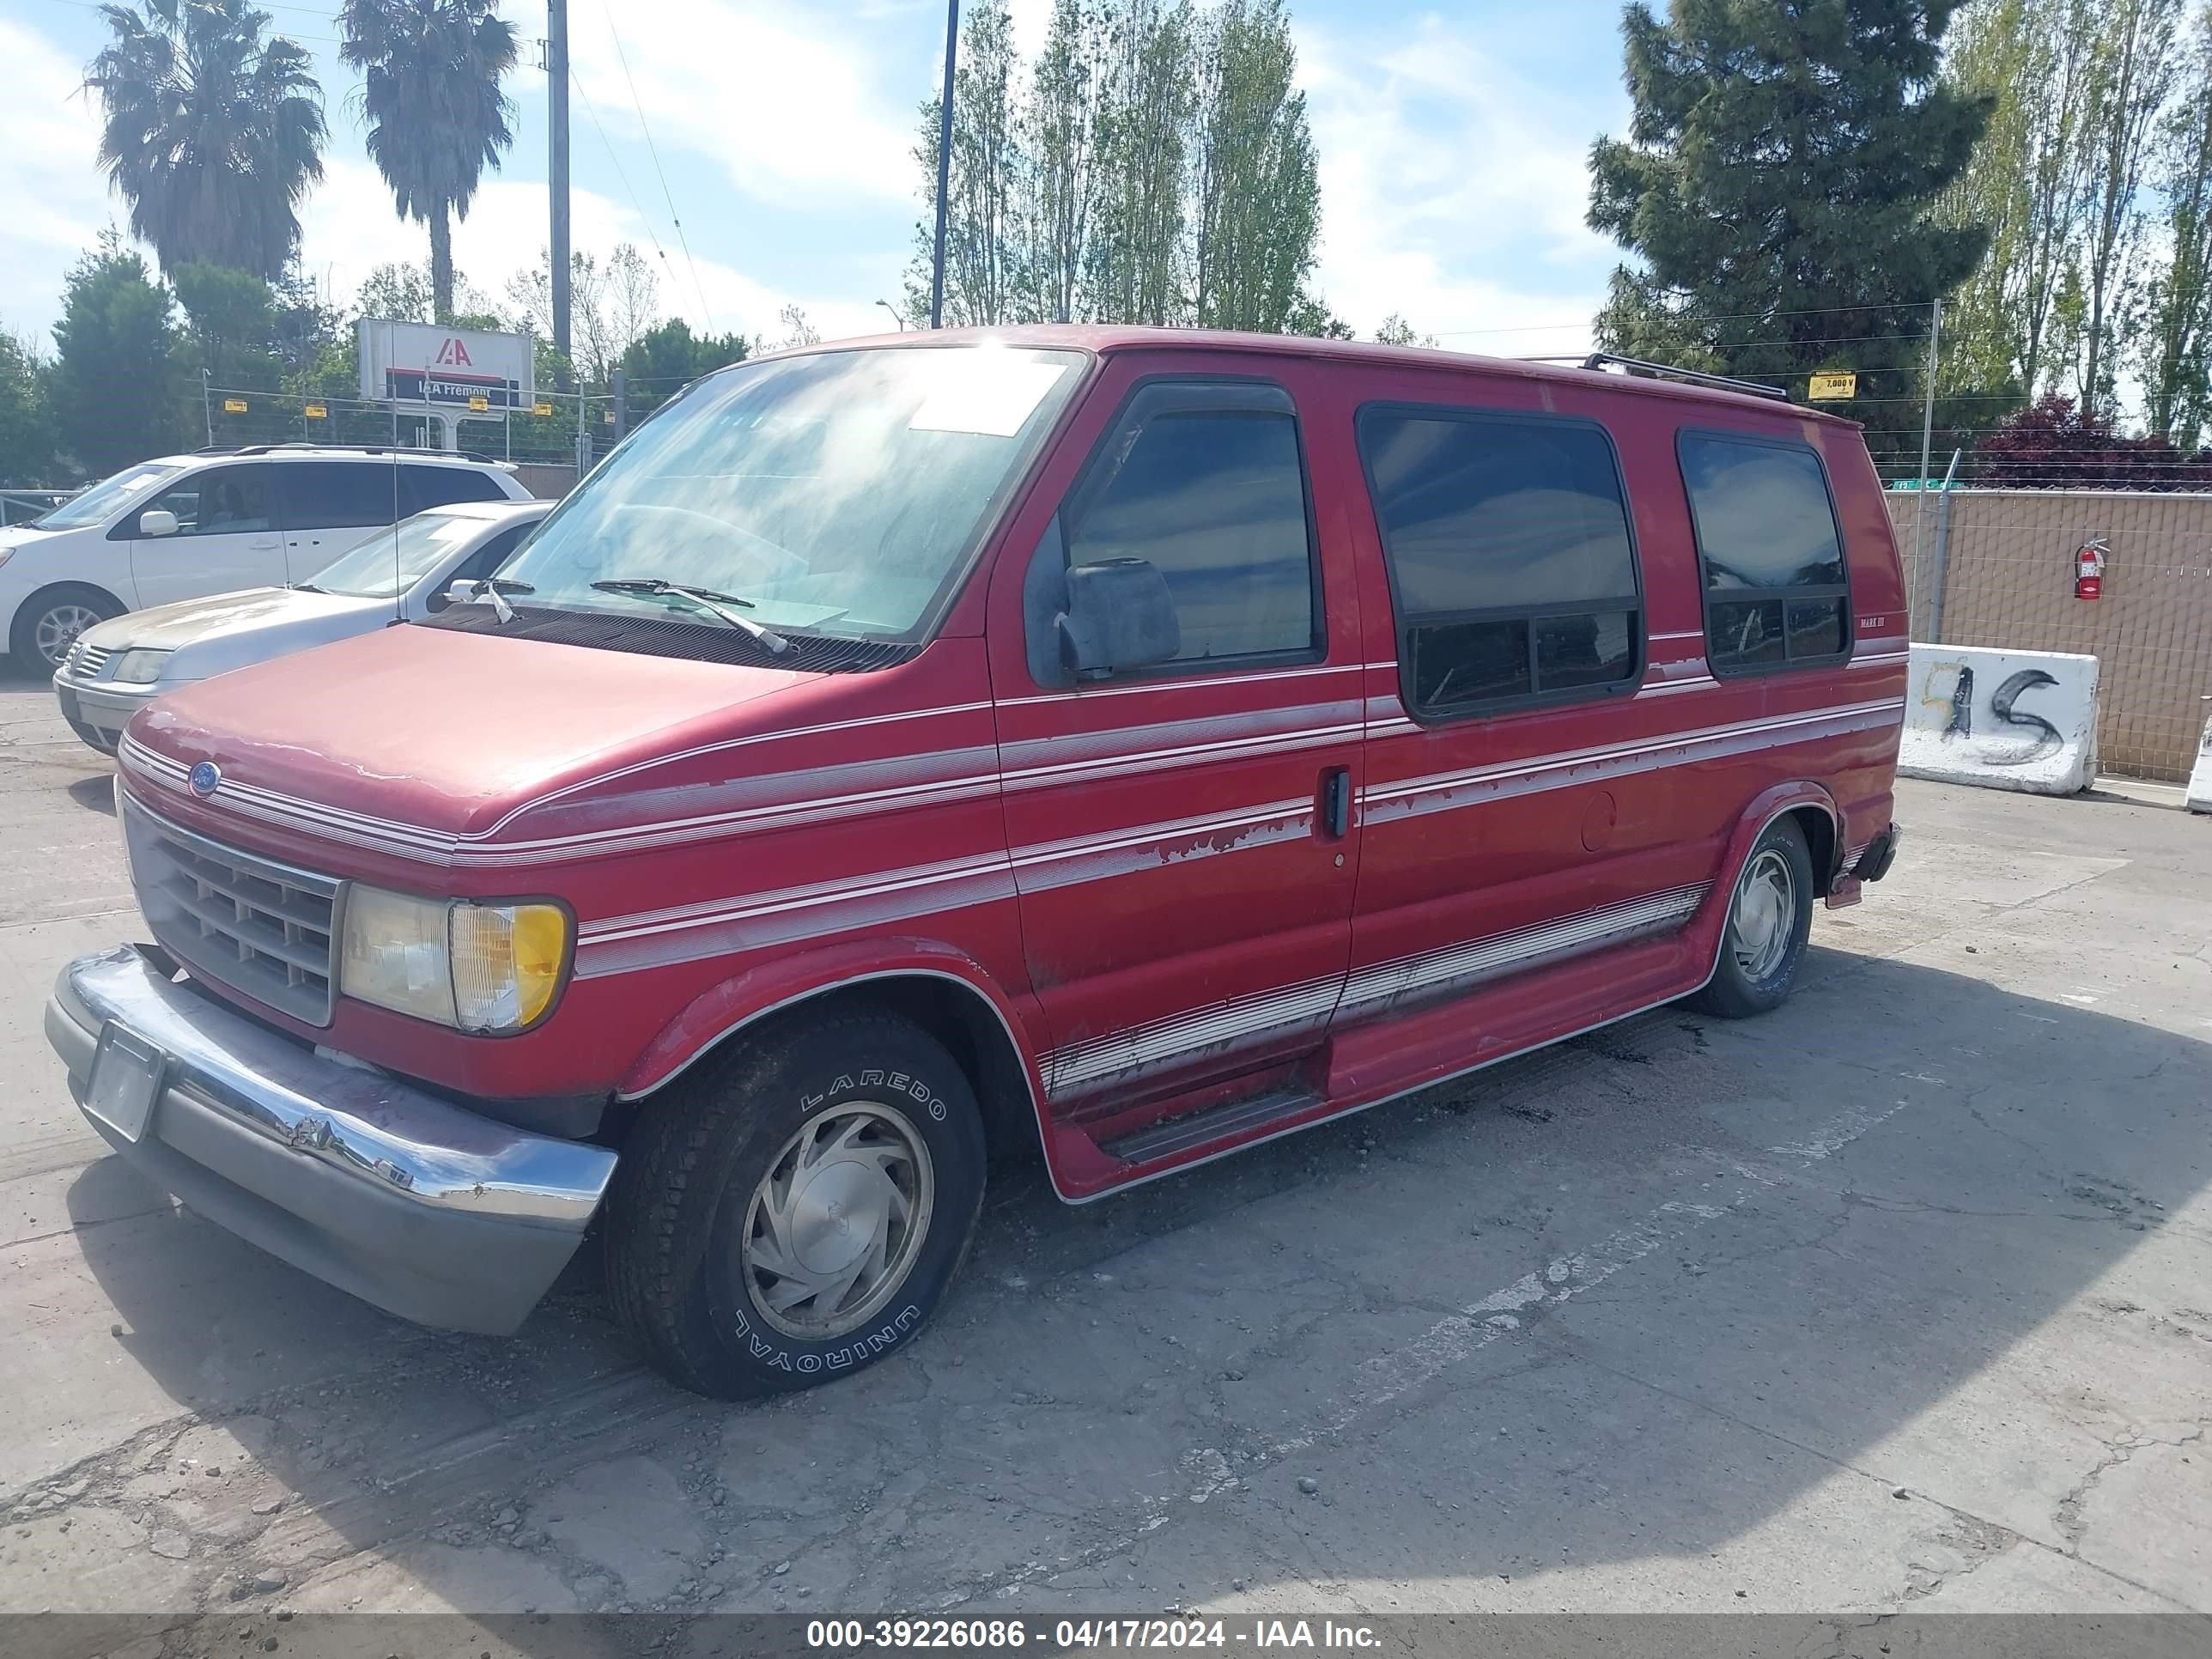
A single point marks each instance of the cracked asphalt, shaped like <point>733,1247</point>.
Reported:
<point>1901,1297</point>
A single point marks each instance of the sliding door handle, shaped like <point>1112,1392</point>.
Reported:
<point>1336,802</point>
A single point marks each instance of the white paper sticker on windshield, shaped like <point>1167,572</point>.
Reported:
<point>985,393</point>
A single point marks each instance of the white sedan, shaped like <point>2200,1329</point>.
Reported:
<point>118,666</point>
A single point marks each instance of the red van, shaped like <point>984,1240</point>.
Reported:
<point>1137,744</point>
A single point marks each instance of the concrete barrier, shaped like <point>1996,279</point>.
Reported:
<point>2199,797</point>
<point>2004,720</point>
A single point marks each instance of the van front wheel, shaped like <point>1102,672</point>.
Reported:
<point>796,1212</point>
<point>1770,916</point>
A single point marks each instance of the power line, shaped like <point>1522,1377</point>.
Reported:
<point>706,314</point>
<point>592,110</point>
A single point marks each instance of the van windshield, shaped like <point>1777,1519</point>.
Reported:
<point>839,491</point>
<point>95,504</point>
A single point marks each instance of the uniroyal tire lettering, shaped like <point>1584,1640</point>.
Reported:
<point>778,1361</point>
<point>758,1345</point>
<point>809,1364</point>
<point>838,1358</point>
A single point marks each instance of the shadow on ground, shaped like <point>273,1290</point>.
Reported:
<point>1817,1225</point>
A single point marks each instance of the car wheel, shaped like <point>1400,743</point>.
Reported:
<point>1769,917</point>
<point>796,1211</point>
<point>49,622</point>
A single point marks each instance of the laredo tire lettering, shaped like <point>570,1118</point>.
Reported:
<point>677,1273</point>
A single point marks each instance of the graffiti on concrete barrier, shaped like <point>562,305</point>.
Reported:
<point>2003,704</point>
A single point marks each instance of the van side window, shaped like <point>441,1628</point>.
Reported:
<point>1510,563</point>
<point>424,486</point>
<point>339,494</point>
<point>1776,588</point>
<point>1216,500</point>
<point>222,501</point>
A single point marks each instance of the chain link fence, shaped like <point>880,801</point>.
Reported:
<point>1996,567</point>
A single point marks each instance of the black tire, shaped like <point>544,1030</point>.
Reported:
<point>681,1274</point>
<point>1739,988</point>
<point>61,598</point>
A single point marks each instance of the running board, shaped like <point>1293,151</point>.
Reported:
<point>1232,1117</point>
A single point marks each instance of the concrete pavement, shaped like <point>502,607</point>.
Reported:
<point>1899,1297</point>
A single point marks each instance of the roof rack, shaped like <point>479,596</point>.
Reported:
<point>357,449</point>
<point>1638,366</point>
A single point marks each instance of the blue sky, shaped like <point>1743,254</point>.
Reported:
<point>1452,140</point>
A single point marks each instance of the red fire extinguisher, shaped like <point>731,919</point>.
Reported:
<point>2089,568</point>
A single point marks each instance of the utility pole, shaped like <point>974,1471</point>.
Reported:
<point>944,162</point>
<point>1927,442</point>
<point>557,170</point>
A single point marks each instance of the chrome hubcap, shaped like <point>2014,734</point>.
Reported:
<point>834,1228</point>
<point>57,630</point>
<point>1764,916</point>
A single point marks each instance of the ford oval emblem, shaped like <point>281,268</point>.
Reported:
<point>204,779</point>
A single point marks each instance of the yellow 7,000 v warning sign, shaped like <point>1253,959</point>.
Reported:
<point>1844,383</point>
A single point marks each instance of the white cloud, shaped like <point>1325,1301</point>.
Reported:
<point>786,100</point>
<point>351,229</point>
<point>57,202</point>
<point>1451,193</point>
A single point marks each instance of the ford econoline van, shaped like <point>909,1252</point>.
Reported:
<point>1126,744</point>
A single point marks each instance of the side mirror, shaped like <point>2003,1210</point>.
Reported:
<point>157,521</point>
<point>1120,615</point>
<point>459,591</point>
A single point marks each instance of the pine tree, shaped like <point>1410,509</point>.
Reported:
<point>1777,187</point>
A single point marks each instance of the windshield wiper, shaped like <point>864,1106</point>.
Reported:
<point>705,597</point>
<point>496,588</point>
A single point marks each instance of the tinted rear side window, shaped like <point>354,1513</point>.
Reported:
<point>337,494</point>
<point>1218,502</point>
<point>1776,588</point>
<point>1510,555</point>
<point>423,487</point>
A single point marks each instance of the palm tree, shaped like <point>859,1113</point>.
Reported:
<point>211,134</point>
<point>430,91</point>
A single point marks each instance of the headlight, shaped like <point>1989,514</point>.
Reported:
<point>137,667</point>
<point>474,967</point>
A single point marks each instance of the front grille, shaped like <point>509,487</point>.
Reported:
<point>262,929</point>
<point>85,662</point>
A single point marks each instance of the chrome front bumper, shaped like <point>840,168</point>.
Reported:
<point>427,1210</point>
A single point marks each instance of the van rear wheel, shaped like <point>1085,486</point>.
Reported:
<point>796,1211</point>
<point>1769,917</point>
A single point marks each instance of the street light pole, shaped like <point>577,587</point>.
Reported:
<point>894,311</point>
<point>557,170</point>
<point>944,162</point>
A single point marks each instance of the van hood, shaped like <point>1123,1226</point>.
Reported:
<point>230,630</point>
<point>410,740</point>
<point>24,538</point>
